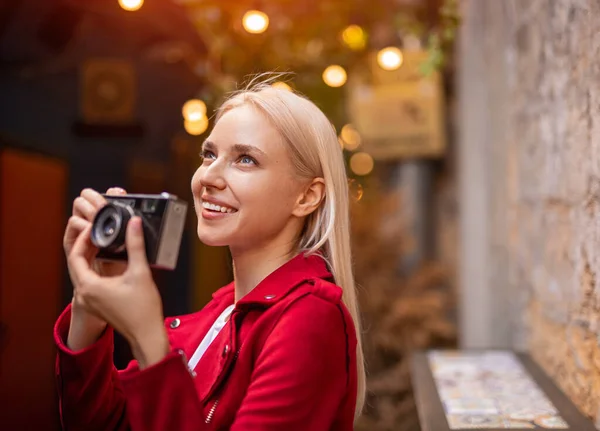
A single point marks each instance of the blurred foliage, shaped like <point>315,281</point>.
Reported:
<point>404,309</point>
<point>304,37</point>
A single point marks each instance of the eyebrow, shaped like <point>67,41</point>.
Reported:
<point>239,148</point>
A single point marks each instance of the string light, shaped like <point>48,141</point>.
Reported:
<point>194,110</point>
<point>131,5</point>
<point>354,37</point>
<point>255,21</point>
<point>282,85</point>
<point>361,163</point>
<point>390,58</point>
<point>197,127</point>
<point>335,76</point>
<point>350,136</point>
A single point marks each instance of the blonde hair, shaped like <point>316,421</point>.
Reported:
<point>315,152</point>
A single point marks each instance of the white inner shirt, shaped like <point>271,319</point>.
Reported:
<point>210,336</point>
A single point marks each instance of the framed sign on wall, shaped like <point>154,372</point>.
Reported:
<point>399,113</point>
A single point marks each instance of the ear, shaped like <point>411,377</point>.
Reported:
<point>311,198</point>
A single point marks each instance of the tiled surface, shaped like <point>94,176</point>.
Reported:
<point>490,390</point>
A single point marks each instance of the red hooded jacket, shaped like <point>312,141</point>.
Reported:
<point>286,360</point>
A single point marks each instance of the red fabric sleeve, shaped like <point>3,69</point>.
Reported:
<point>89,391</point>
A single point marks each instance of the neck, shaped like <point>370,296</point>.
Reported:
<point>250,267</point>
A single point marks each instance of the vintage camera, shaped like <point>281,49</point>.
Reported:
<point>163,220</point>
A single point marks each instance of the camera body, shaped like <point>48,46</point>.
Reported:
<point>163,219</point>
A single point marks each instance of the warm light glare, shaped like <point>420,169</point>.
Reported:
<point>361,163</point>
<point>335,76</point>
<point>194,110</point>
<point>350,136</point>
<point>196,127</point>
<point>390,58</point>
<point>255,21</point>
<point>282,85</point>
<point>355,190</point>
<point>131,4</point>
<point>354,37</point>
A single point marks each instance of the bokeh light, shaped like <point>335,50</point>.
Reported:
<point>197,127</point>
<point>255,21</point>
<point>131,5</point>
<point>361,163</point>
<point>390,58</point>
<point>282,85</point>
<point>354,37</point>
<point>335,76</point>
<point>194,110</point>
<point>350,137</point>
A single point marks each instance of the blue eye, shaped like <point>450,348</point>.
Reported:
<point>207,154</point>
<point>247,160</point>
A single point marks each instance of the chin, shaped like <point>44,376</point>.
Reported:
<point>212,239</point>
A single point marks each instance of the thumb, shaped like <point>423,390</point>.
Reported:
<point>134,241</point>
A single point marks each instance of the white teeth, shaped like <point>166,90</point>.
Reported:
<point>217,208</point>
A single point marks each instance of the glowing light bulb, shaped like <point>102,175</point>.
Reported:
<point>255,21</point>
<point>131,5</point>
<point>335,76</point>
<point>354,37</point>
<point>350,137</point>
<point>197,127</point>
<point>193,110</point>
<point>361,163</point>
<point>282,85</point>
<point>390,58</point>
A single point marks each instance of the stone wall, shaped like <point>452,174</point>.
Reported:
<point>529,92</point>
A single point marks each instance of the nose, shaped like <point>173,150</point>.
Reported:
<point>212,176</point>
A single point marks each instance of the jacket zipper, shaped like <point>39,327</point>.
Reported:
<point>211,412</point>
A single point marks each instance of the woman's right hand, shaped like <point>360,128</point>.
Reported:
<point>85,327</point>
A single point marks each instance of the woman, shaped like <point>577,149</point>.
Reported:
<point>277,349</point>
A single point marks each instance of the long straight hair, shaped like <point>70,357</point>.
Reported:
<point>315,152</point>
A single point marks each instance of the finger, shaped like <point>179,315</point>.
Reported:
<point>82,255</point>
<point>95,198</point>
<point>134,241</point>
<point>75,226</point>
<point>84,208</point>
<point>115,191</point>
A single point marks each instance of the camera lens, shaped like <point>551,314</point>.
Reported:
<point>108,228</point>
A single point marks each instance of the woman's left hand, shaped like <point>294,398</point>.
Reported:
<point>130,302</point>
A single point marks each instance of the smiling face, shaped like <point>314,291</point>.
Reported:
<point>246,191</point>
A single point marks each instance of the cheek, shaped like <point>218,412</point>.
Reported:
<point>196,184</point>
<point>271,199</point>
